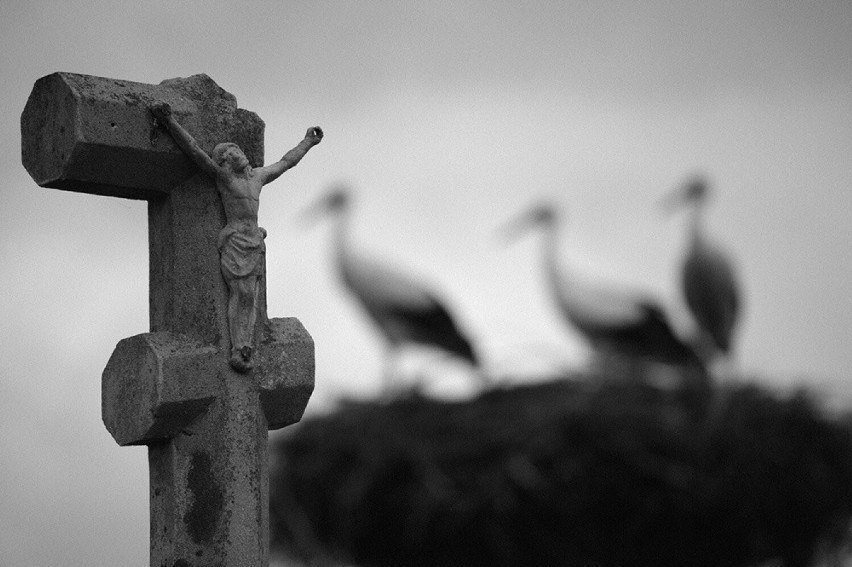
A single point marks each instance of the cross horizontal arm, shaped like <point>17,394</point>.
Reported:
<point>96,135</point>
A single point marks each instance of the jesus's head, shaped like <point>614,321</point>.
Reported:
<point>229,152</point>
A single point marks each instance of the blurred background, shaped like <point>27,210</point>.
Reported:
<point>446,120</point>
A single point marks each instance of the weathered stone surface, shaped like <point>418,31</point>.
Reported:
<point>187,292</point>
<point>205,425</point>
<point>155,385</point>
<point>285,371</point>
<point>209,484</point>
<point>96,135</point>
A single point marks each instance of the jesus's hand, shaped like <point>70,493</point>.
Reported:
<point>314,135</point>
<point>161,111</point>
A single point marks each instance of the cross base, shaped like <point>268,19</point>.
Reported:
<point>206,427</point>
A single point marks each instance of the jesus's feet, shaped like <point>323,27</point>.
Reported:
<point>241,359</point>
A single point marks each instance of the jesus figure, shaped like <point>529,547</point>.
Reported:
<point>240,243</point>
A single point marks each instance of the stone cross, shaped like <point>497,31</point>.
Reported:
<point>172,389</point>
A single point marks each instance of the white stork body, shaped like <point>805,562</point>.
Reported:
<point>709,280</point>
<point>617,323</point>
<point>403,310</point>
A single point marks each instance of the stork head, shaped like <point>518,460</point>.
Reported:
<point>540,215</point>
<point>693,192</point>
<point>696,189</point>
<point>334,201</point>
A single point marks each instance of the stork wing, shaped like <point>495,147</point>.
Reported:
<point>712,294</point>
<point>590,306</point>
<point>403,307</point>
<point>623,319</point>
<point>383,288</point>
<point>436,327</point>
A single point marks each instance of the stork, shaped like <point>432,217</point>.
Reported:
<point>619,324</point>
<point>402,308</point>
<point>708,277</point>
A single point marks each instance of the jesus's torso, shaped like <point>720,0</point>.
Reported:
<point>241,198</point>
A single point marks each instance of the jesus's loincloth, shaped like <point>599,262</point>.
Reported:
<point>241,252</point>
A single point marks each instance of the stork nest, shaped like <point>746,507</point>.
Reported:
<point>565,473</point>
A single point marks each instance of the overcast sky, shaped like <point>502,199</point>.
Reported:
<point>448,118</point>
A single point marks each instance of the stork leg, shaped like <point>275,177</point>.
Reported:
<point>615,366</point>
<point>390,371</point>
<point>725,369</point>
<point>451,376</point>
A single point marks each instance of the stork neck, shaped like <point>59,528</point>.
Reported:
<point>696,221</point>
<point>341,231</point>
<point>550,244</point>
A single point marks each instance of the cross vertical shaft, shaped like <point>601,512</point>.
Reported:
<point>172,388</point>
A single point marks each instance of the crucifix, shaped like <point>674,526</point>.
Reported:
<point>214,374</point>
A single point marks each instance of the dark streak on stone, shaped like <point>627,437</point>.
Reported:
<point>207,502</point>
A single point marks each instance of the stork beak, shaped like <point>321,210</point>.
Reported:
<point>313,212</point>
<point>514,228</point>
<point>674,199</point>
<point>321,206</point>
<point>690,191</point>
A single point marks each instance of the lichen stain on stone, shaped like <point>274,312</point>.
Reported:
<point>207,499</point>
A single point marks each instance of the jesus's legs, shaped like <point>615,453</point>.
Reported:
<point>242,315</point>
